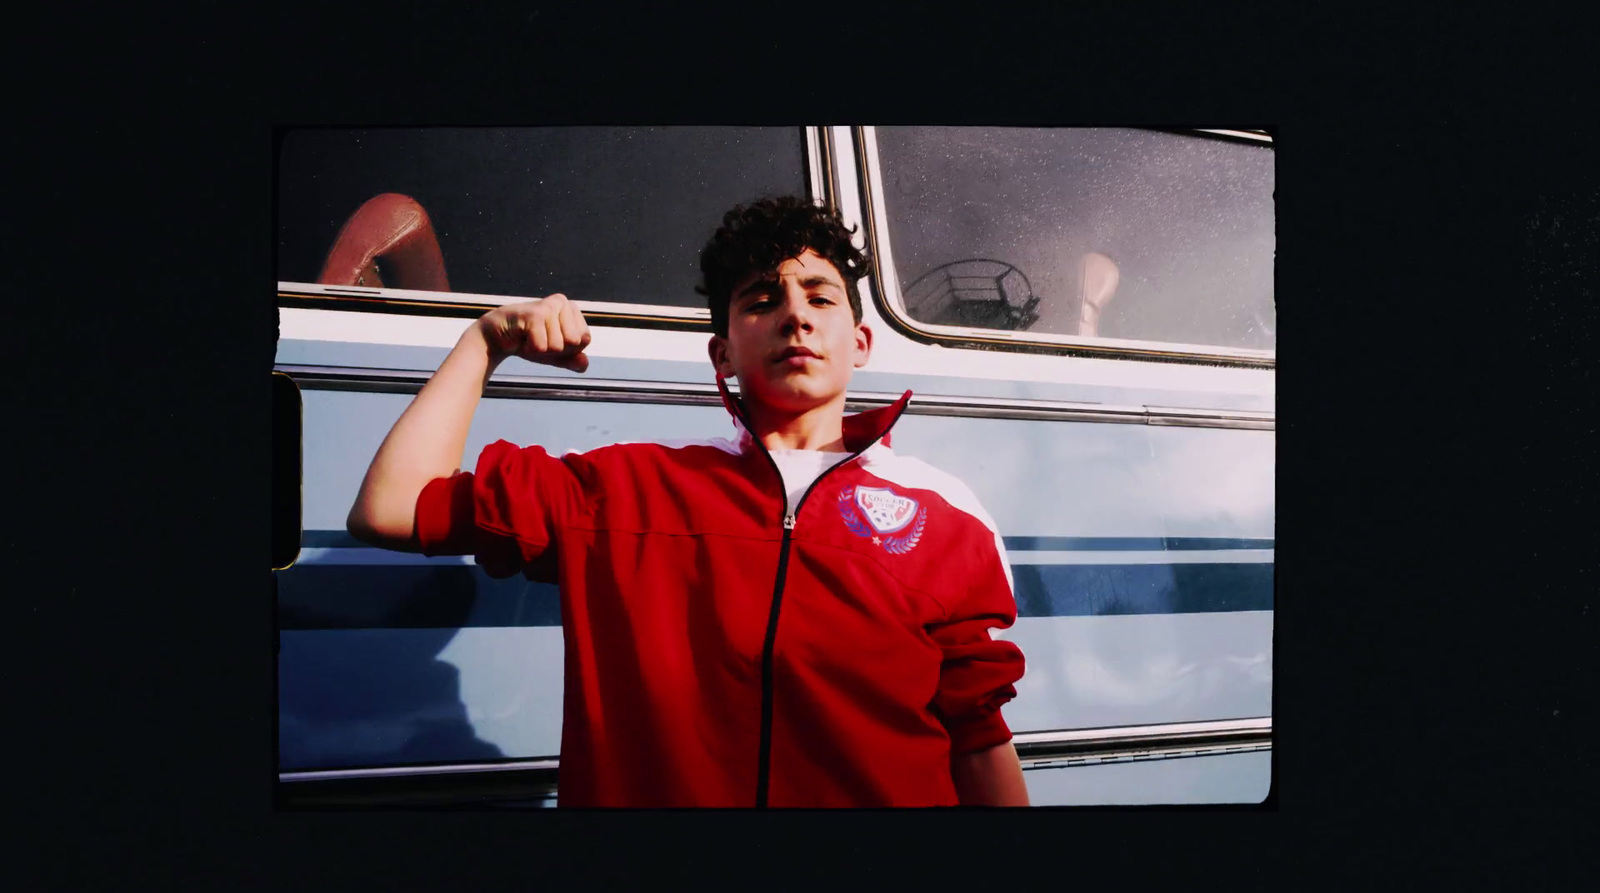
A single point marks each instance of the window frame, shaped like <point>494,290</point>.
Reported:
<point>816,169</point>
<point>891,304</point>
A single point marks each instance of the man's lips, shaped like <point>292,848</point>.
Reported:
<point>795,352</point>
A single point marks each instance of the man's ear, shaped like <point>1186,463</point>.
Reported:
<point>717,349</point>
<point>863,345</point>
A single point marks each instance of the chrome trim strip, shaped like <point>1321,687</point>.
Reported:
<point>1160,732</point>
<point>830,162</point>
<point>1078,747</point>
<point>530,387</point>
<point>547,763</point>
<point>1034,749</point>
<point>468,299</point>
<point>1135,755</point>
<point>816,177</point>
<point>893,306</point>
<point>842,141</point>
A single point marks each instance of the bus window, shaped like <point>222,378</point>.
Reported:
<point>1103,234</point>
<point>613,214</point>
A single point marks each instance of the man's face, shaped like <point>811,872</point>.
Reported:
<point>792,342</point>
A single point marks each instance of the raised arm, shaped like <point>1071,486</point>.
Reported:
<point>428,439</point>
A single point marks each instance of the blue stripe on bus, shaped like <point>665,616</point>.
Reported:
<point>322,596</point>
<point>1131,543</point>
<point>1079,590</point>
<point>339,539</point>
<point>335,596</point>
<point>329,539</point>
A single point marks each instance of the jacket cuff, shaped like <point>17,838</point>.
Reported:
<point>445,516</point>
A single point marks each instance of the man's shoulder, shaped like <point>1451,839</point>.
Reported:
<point>919,474</point>
<point>632,450</point>
<point>915,471</point>
<point>621,453</point>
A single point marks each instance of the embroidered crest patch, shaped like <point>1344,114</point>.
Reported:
<point>891,520</point>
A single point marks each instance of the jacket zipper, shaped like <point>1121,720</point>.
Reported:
<point>764,763</point>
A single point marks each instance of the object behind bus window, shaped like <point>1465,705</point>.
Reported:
<point>388,242</point>
<point>606,214</point>
<point>1101,233</point>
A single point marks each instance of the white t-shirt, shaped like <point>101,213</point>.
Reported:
<point>800,467</point>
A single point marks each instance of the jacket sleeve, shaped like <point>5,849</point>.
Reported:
<point>978,673</point>
<point>506,513</point>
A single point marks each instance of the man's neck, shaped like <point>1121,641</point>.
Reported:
<point>820,428</point>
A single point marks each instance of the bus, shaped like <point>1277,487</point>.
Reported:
<point>1085,318</point>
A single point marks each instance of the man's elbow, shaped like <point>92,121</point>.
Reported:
<point>361,527</point>
<point>357,526</point>
<point>378,534</point>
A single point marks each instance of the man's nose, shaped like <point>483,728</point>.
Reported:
<point>797,313</point>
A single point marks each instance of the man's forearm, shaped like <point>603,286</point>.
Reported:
<point>991,777</point>
<point>426,443</point>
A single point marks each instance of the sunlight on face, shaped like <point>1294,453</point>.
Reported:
<point>793,342</point>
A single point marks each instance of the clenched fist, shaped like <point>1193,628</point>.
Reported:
<point>549,331</point>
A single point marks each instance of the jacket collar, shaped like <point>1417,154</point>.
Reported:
<point>861,429</point>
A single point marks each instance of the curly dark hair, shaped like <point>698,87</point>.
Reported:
<point>758,237</point>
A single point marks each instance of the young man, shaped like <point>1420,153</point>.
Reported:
<point>795,617</point>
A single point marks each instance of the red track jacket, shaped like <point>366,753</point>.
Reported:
<point>721,651</point>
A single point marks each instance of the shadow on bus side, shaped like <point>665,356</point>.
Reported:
<point>360,682</point>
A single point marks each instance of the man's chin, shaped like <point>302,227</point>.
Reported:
<point>792,400</point>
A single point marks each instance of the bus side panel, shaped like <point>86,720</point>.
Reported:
<point>1221,778</point>
<point>383,650</point>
